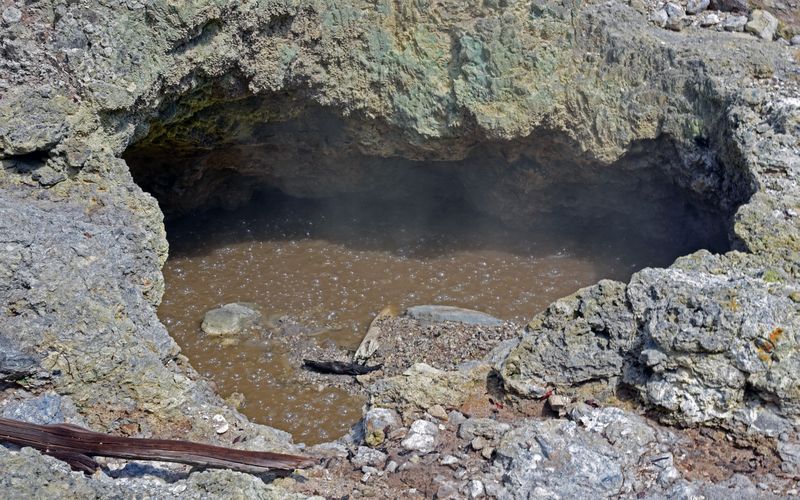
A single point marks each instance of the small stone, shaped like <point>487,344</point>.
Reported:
<point>486,427</point>
<point>391,466</point>
<point>437,411</point>
<point>487,452</point>
<point>220,424</point>
<point>795,40</point>
<point>456,417</point>
<point>377,423</point>
<point>48,176</point>
<point>414,459</point>
<point>447,490</point>
<point>762,24</point>
<point>735,23</point>
<point>12,15</point>
<point>696,6</point>
<point>676,16</point>
<point>230,319</point>
<point>236,400</point>
<point>558,404</point>
<point>370,470</point>
<point>476,489</point>
<point>659,17</point>
<point>421,437</point>
<point>479,443</point>
<point>795,296</point>
<point>449,460</point>
<point>674,10</point>
<point>368,457</point>
<point>709,19</point>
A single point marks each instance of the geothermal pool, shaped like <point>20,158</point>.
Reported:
<point>332,264</point>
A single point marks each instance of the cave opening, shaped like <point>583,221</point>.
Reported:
<point>323,221</point>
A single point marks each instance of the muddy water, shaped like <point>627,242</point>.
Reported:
<point>334,264</point>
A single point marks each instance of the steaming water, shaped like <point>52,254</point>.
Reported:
<point>334,264</point>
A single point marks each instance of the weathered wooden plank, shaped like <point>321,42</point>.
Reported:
<point>76,445</point>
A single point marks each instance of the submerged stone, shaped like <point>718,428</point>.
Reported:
<point>438,314</point>
<point>230,319</point>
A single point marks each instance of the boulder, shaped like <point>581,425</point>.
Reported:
<point>230,319</point>
<point>762,24</point>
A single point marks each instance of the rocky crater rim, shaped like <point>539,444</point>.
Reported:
<point>710,340</point>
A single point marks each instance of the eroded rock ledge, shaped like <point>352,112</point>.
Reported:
<point>710,341</point>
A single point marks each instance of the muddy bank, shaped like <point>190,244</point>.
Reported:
<point>710,341</point>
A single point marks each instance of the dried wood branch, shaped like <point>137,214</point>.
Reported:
<point>76,446</point>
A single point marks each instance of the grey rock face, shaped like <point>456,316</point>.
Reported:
<point>438,314</point>
<point>762,24</point>
<point>31,122</point>
<point>707,341</point>
<point>230,319</point>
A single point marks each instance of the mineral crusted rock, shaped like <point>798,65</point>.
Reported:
<point>559,458</point>
<point>378,423</point>
<point>762,24</point>
<point>230,319</point>
<point>423,386</point>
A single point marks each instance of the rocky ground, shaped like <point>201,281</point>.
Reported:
<point>683,382</point>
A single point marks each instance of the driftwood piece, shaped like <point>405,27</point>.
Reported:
<point>76,446</point>
<point>339,367</point>
<point>369,344</point>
